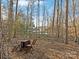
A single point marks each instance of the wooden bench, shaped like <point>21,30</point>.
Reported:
<point>25,45</point>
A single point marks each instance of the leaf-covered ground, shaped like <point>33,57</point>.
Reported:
<point>43,49</point>
<point>48,50</point>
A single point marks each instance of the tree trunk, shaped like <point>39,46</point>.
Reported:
<point>74,6</point>
<point>66,22</point>
<point>16,18</point>
<point>1,34</point>
<point>10,19</point>
<point>53,16</point>
<point>57,19</point>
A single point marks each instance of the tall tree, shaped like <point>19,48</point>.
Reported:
<point>16,17</point>
<point>0,31</point>
<point>0,15</point>
<point>74,9</point>
<point>38,14</point>
<point>54,15</point>
<point>57,19</point>
<point>47,20</point>
<point>66,22</point>
<point>61,20</point>
<point>29,17</point>
<point>43,21</point>
<point>10,19</point>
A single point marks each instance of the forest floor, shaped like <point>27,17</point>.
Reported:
<point>44,49</point>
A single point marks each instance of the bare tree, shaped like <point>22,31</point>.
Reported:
<point>10,19</point>
<point>74,7</point>
<point>57,19</point>
<point>54,15</point>
<point>43,21</point>
<point>16,17</point>
<point>0,15</point>
<point>61,21</point>
<point>66,22</point>
<point>46,20</point>
<point>0,32</point>
<point>38,15</point>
